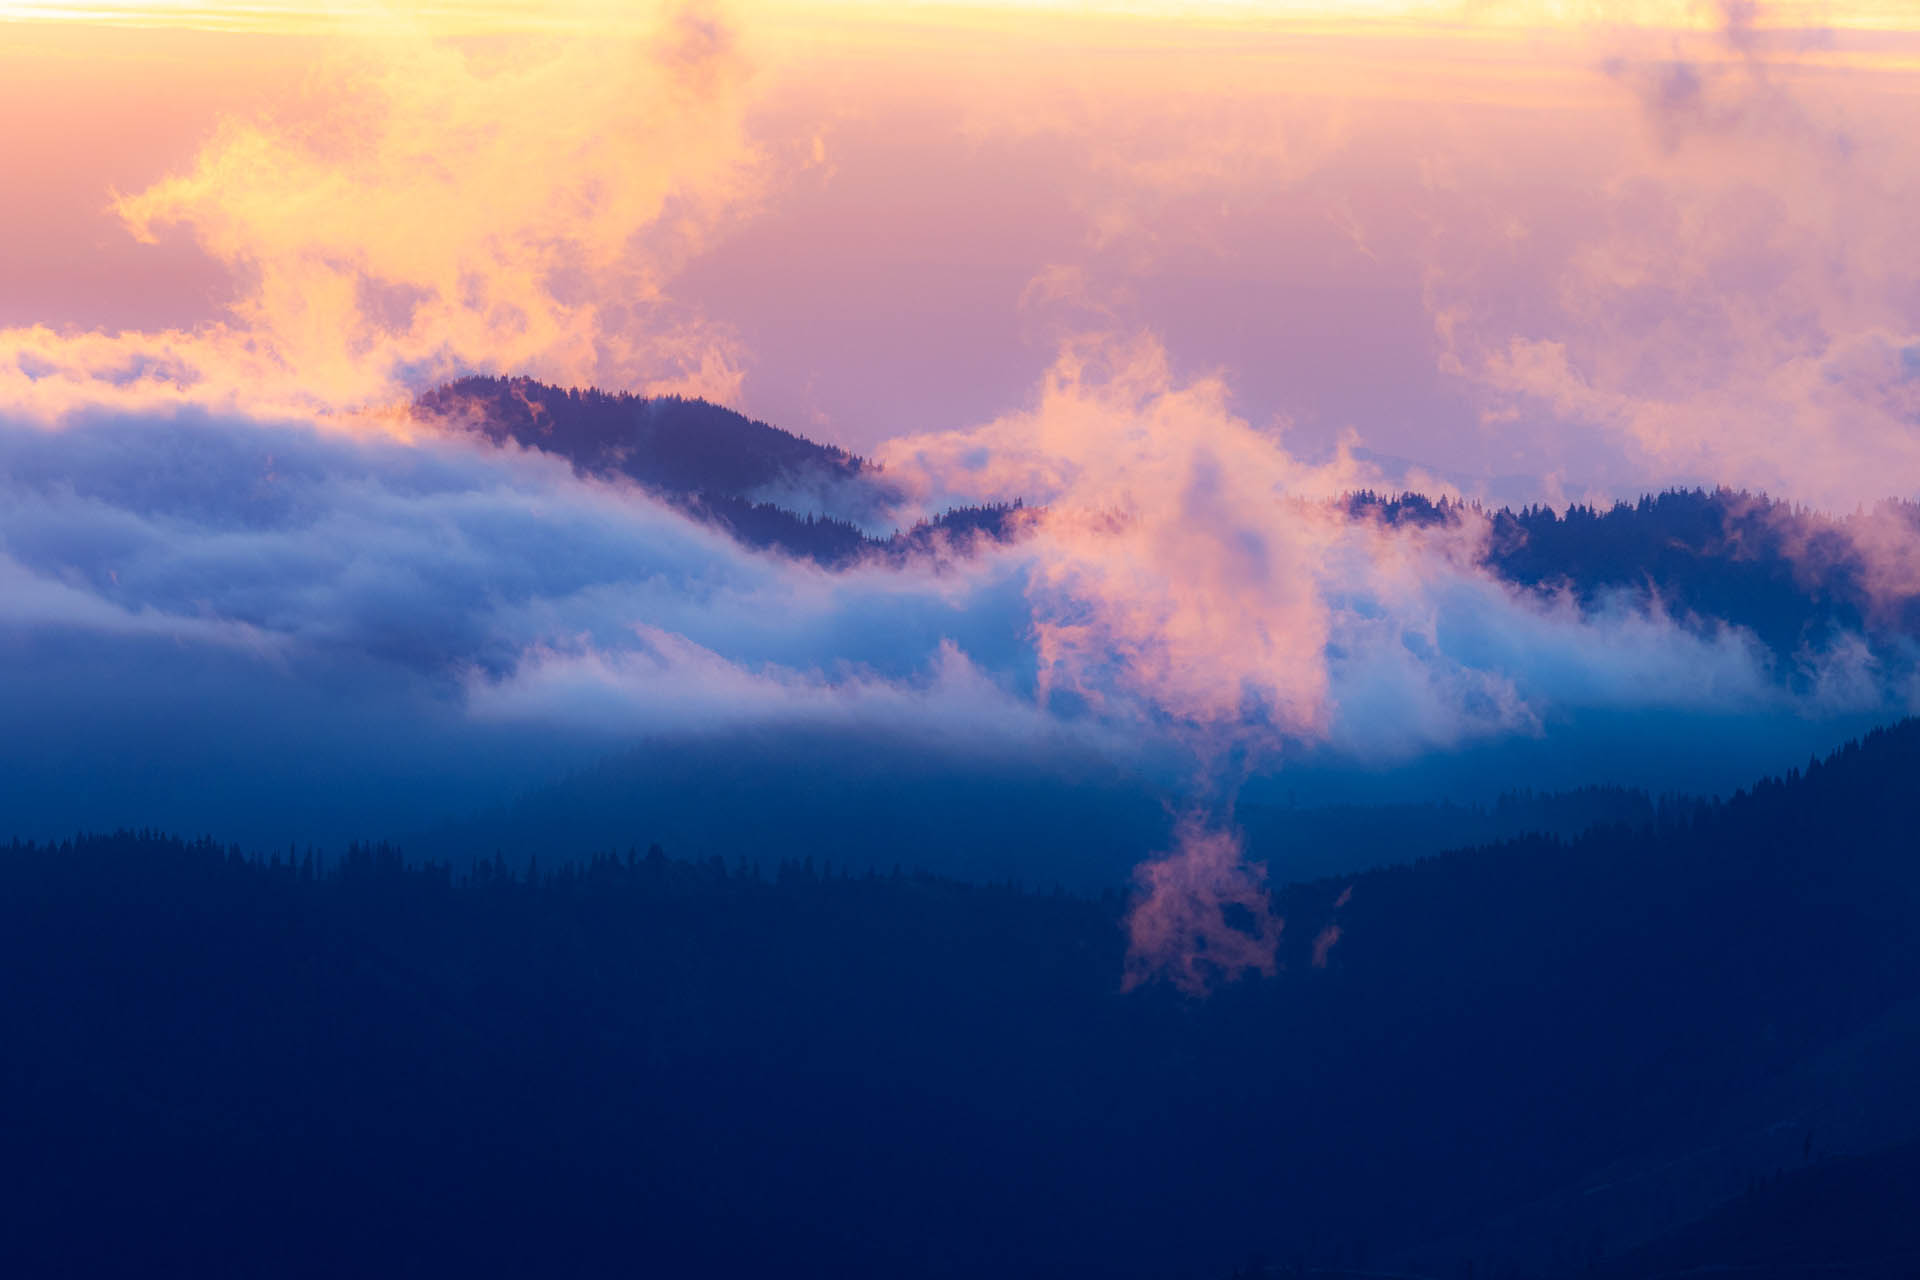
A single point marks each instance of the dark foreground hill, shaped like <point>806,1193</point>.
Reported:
<point>1524,1059</point>
<point>1852,1218</point>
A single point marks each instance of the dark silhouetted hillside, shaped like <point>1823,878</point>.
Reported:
<point>669,443</point>
<point>219,1064</point>
<point>1853,1219</point>
<point>767,487</point>
<point>1796,578</point>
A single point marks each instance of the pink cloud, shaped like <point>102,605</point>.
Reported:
<point>1202,916</point>
<point>1323,943</point>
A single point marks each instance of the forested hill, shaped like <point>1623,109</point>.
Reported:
<point>767,487</point>
<point>1521,1059</point>
<point>1796,578</point>
<point>1850,1218</point>
<point>671,443</point>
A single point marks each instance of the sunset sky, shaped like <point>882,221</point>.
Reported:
<point>1055,639</point>
<point>1537,250</point>
<point>1199,264</point>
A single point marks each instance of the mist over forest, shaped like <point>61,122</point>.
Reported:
<point>1062,640</point>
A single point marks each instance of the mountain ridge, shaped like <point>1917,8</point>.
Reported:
<point>716,464</point>
<point>1801,581</point>
<point>841,1072</point>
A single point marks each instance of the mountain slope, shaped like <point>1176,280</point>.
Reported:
<point>1801,581</point>
<point>767,487</point>
<point>670,443</point>
<point>897,1075</point>
<point>1854,1219</point>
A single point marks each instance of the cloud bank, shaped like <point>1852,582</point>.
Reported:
<point>227,544</point>
<point>1188,603</point>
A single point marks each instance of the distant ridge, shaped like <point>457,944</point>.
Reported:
<point>769,488</point>
<point>671,443</point>
<point>1798,579</point>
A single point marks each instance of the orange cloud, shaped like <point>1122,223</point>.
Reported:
<point>1323,944</point>
<point>431,205</point>
<point>1203,915</point>
<point>1184,562</point>
<point>1183,565</point>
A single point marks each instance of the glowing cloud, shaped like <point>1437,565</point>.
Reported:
<point>1203,916</point>
<point>1598,244</point>
<point>1177,567</point>
<point>431,206</point>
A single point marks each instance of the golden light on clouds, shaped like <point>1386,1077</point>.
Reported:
<point>770,199</point>
<point>482,15</point>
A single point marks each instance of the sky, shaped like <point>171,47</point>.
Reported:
<point>1533,250</point>
<point>1175,273</point>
